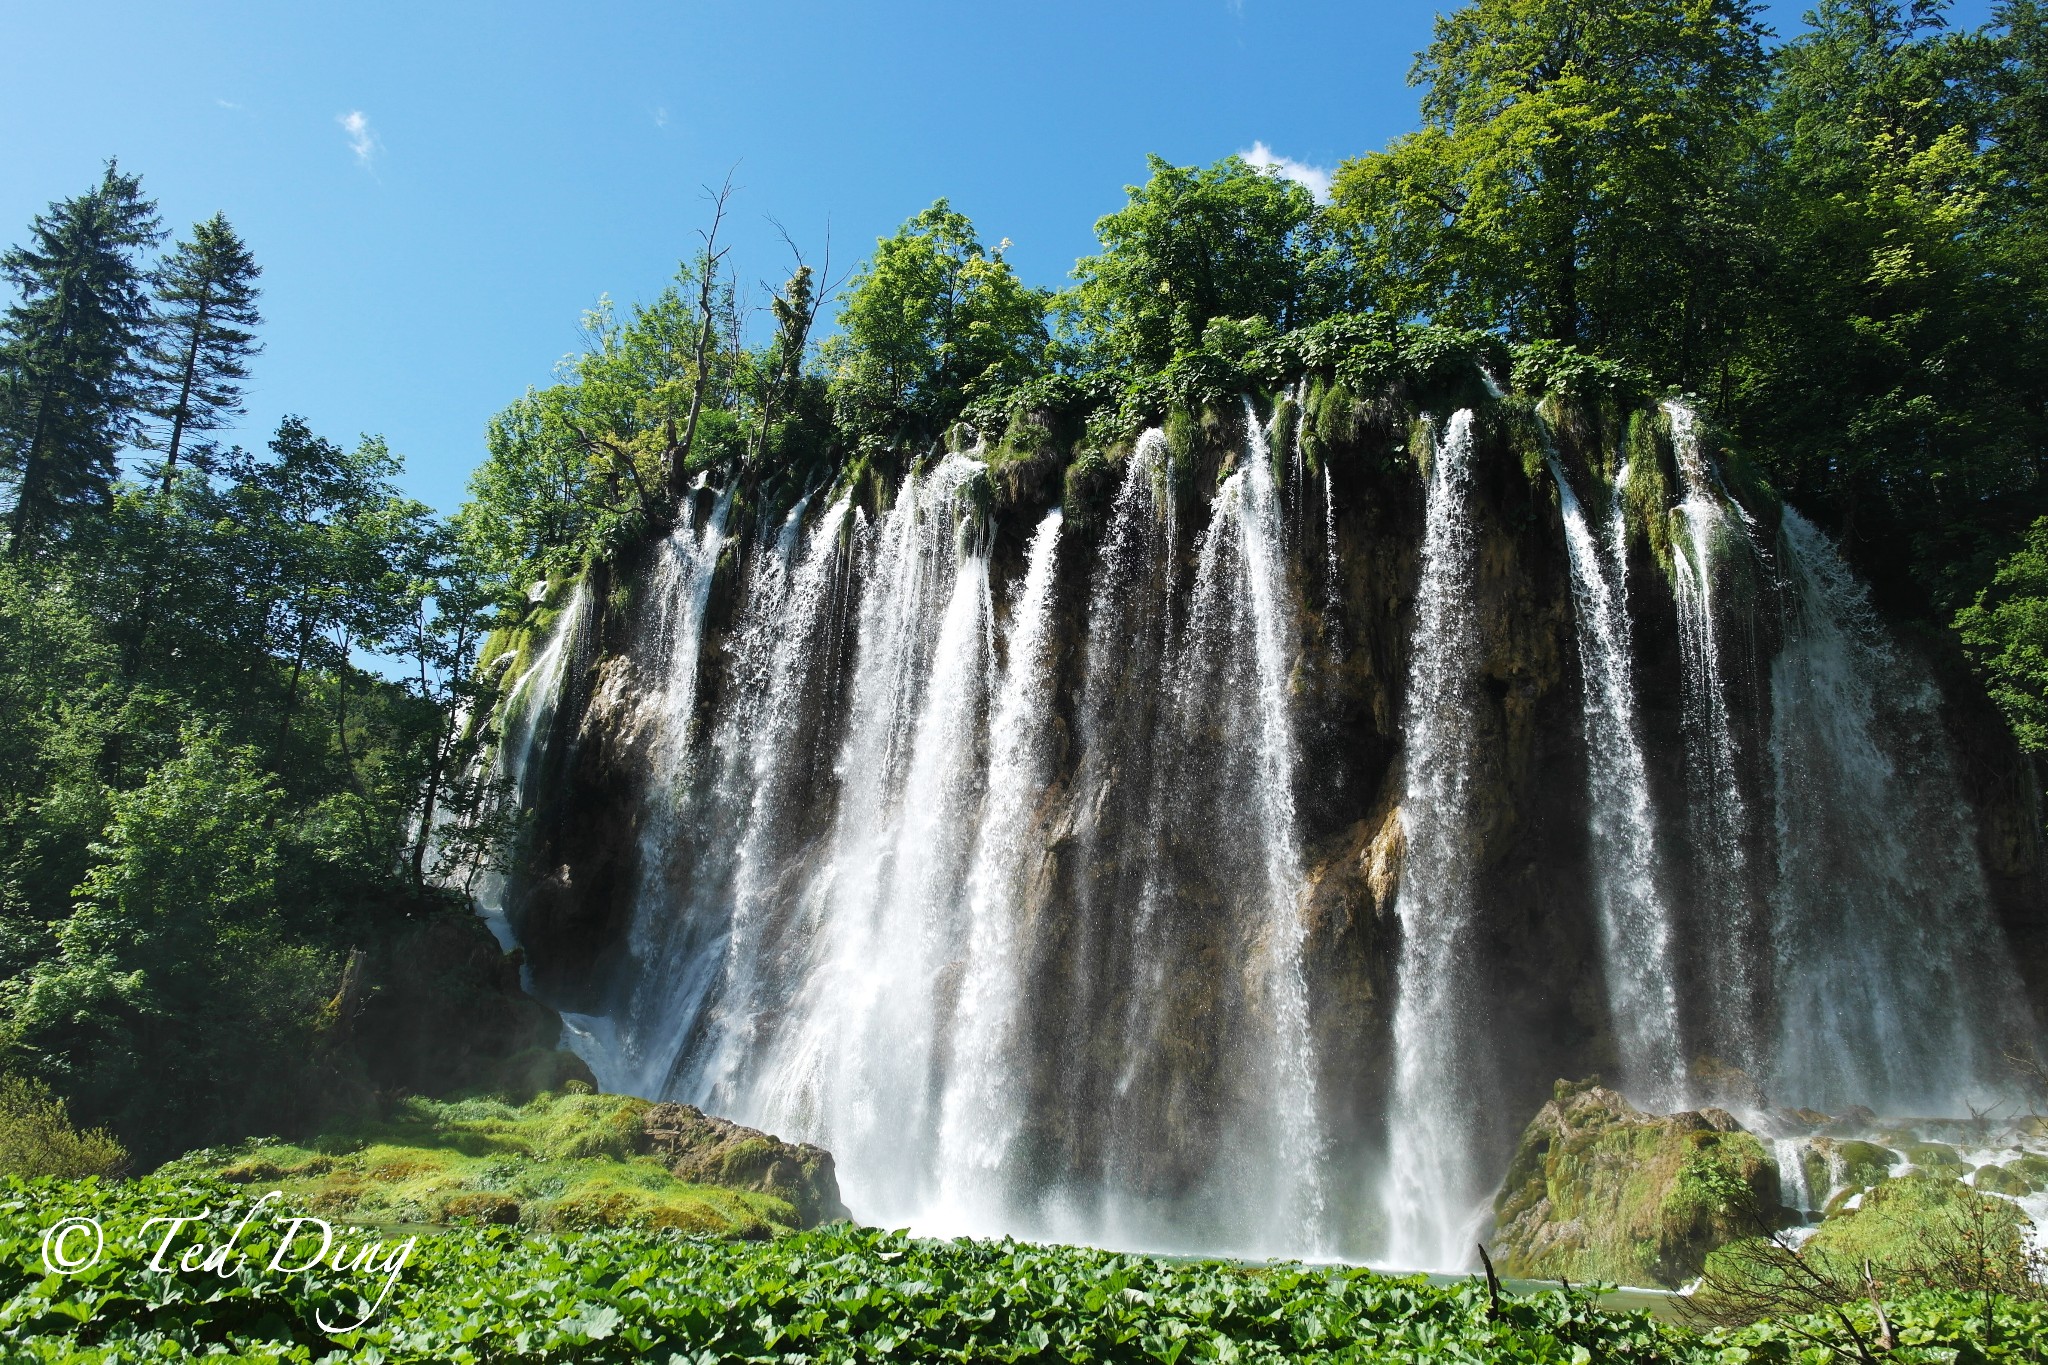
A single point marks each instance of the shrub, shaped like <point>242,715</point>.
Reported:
<point>37,1137</point>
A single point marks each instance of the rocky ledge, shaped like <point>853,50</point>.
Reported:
<point>703,1150</point>
<point>1599,1190</point>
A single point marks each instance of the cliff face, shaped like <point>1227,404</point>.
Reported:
<point>688,871</point>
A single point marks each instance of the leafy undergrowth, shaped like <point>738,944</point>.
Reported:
<point>838,1293</point>
<point>562,1163</point>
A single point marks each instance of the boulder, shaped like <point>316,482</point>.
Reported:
<point>1599,1191</point>
<point>712,1151</point>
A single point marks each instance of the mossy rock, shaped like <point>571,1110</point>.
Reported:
<point>1600,1191</point>
<point>2034,1168</point>
<point>1852,1163</point>
<point>1896,1222</point>
<point>2005,1180</point>
<point>571,1161</point>
<point>1932,1155</point>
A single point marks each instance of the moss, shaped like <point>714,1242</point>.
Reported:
<point>569,1161</point>
<point>1598,1191</point>
<point>1895,1222</point>
<point>2006,1180</point>
<point>1932,1155</point>
<point>1331,421</point>
<point>1088,487</point>
<point>1646,493</point>
<point>2034,1168</point>
<point>1286,426</point>
<point>1853,1165</point>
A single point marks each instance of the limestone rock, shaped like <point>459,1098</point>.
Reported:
<point>714,1151</point>
<point>1601,1191</point>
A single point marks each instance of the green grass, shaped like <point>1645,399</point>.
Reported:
<point>561,1162</point>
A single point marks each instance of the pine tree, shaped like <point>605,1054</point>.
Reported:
<point>69,386</point>
<point>206,312</point>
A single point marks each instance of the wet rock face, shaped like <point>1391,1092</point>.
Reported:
<point>1598,1190</point>
<point>712,1151</point>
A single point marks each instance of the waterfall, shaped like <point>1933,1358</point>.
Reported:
<point>1894,985</point>
<point>980,1114</point>
<point>1729,935</point>
<point>632,1049</point>
<point>526,718</point>
<point>1434,1188</point>
<point>784,649</point>
<point>856,1063</point>
<point>984,854</point>
<point>1635,921</point>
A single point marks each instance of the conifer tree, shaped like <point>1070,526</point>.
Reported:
<point>68,378</point>
<point>203,336</point>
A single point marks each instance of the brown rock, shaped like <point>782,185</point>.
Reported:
<point>712,1151</point>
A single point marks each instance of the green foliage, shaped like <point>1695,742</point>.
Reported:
<point>1577,176</point>
<point>2006,632</point>
<point>176,987</point>
<point>932,322</point>
<point>37,1137</point>
<point>559,1161</point>
<point>841,1294</point>
<point>1194,246</point>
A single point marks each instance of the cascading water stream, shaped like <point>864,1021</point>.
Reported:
<point>1635,919</point>
<point>784,647</point>
<point>1794,1192</point>
<point>677,974</point>
<point>526,719</point>
<point>1434,1187</point>
<point>856,1064</point>
<point>1718,820</point>
<point>979,1116</point>
<point>1894,985</point>
<point>1010,909</point>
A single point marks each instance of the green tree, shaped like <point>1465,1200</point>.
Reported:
<point>2006,632</point>
<point>203,337</point>
<point>931,322</point>
<point>68,380</point>
<point>1195,244</point>
<point>1894,369</point>
<point>1579,176</point>
<point>179,981</point>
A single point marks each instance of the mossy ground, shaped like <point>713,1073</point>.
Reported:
<point>560,1162</point>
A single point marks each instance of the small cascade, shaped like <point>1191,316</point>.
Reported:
<point>1894,986</point>
<point>1718,820</point>
<point>980,1114</point>
<point>1435,1186</point>
<point>1794,1190</point>
<point>1635,919</point>
<point>526,718</point>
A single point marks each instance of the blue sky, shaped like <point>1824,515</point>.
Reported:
<point>437,190</point>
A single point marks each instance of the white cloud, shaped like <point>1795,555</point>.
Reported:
<point>1314,179</point>
<point>226,104</point>
<point>362,138</point>
<point>661,116</point>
